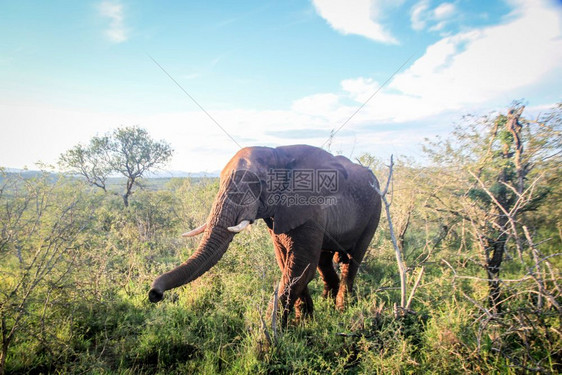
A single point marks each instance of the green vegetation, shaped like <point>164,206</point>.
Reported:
<point>75,269</point>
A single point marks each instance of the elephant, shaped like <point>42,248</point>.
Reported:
<point>319,209</point>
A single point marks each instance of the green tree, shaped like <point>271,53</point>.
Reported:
<point>492,173</point>
<point>129,152</point>
<point>42,227</point>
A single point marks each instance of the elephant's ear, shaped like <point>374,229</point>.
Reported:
<point>311,179</point>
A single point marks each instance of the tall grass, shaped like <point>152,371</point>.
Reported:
<point>102,321</point>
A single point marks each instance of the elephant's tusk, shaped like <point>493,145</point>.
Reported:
<point>240,227</point>
<point>195,231</point>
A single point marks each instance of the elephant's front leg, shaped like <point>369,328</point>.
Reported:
<point>303,245</point>
<point>293,290</point>
<point>303,306</point>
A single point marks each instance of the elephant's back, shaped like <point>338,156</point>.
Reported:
<point>358,207</point>
<point>361,184</point>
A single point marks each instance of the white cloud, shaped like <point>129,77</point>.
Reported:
<point>483,68</point>
<point>444,10</point>
<point>360,89</point>
<point>45,132</point>
<point>316,104</point>
<point>116,32</point>
<point>421,15</point>
<point>358,17</point>
<point>477,70</point>
<point>418,15</point>
<point>488,63</point>
<point>438,27</point>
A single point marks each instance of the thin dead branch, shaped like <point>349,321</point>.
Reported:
<point>399,260</point>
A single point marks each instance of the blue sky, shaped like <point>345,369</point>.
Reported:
<point>270,72</point>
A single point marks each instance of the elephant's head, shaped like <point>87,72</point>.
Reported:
<point>246,194</point>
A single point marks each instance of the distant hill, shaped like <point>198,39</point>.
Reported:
<point>157,174</point>
<point>175,173</point>
<point>27,173</point>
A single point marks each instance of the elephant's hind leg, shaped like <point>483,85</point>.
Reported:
<point>348,273</point>
<point>349,265</point>
<point>328,274</point>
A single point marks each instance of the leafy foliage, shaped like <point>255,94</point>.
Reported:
<point>128,151</point>
<point>75,270</point>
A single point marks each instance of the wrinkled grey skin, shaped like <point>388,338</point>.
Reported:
<point>306,237</point>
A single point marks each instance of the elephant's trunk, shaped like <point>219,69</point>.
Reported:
<point>212,247</point>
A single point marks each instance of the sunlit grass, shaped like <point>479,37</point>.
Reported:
<point>100,321</point>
